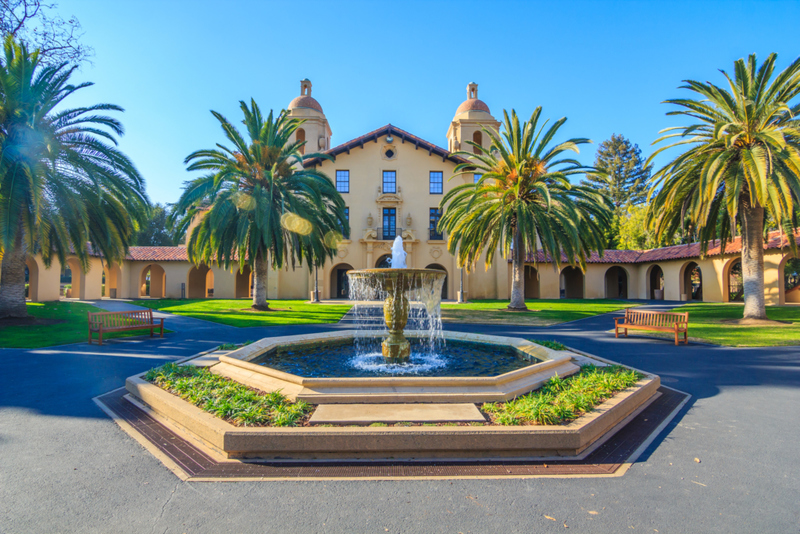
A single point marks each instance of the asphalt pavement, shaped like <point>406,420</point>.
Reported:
<point>66,467</point>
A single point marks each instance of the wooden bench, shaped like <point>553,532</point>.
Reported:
<point>653,320</point>
<point>122,321</point>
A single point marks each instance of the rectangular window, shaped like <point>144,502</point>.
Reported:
<point>345,233</point>
<point>436,183</point>
<point>477,177</point>
<point>389,230</point>
<point>433,229</point>
<point>389,182</point>
<point>343,181</point>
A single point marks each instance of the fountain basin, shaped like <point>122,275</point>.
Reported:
<point>246,366</point>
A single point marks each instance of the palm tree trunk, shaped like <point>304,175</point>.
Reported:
<point>518,275</point>
<point>261,279</point>
<point>753,261</point>
<point>12,281</point>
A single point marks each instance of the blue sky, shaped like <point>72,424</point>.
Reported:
<point>607,66</point>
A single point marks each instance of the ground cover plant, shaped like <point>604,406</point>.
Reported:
<point>229,400</point>
<point>561,400</point>
<point>540,312</point>
<point>53,323</point>
<point>239,312</point>
<point>707,324</point>
<point>554,345</point>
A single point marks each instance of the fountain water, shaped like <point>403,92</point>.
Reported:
<point>394,286</point>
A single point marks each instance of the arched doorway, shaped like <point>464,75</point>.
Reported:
<point>71,279</point>
<point>244,283</point>
<point>531,282</point>
<point>152,281</point>
<point>31,280</point>
<point>112,275</point>
<point>444,286</point>
<point>201,282</point>
<point>616,283</point>
<point>384,262</point>
<point>571,283</point>
<point>734,288</point>
<point>340,286</point>
<point>655,282</point>
<point>691,282</point>
<point>791,280</point>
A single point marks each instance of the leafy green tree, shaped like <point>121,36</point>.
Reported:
<point>524,202</point>
<point>63,183</point>
<point>623,179</point>
<point>742,159</point>
<point>263,206</point>
<point>634,233</point>
<point>155,231</point>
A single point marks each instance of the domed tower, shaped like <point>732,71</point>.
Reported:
<point>315,131</point>
<point>466,126</point>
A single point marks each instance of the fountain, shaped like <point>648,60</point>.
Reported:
<point>396,284</point>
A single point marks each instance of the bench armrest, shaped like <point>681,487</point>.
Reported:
<point>618,319</point>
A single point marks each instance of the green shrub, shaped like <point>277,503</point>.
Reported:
<point>227,399</point>
<point>554,345</point>
<point>561,400</point>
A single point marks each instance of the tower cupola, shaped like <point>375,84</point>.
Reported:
<point>315,131</point>
<point>470,117</point>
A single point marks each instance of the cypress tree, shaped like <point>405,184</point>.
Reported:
<point>626,177</point>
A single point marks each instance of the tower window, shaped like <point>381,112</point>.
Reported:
<point>477,138</point>
<point>389,181</point>
<point>436,183</point>
<point>343,181</point>
<point>301,138</point>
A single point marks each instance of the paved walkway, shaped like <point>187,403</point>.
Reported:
<point>64,466</point>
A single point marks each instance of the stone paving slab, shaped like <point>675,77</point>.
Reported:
<point>354,414</point>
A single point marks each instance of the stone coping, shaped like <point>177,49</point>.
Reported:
<point>238,366</point>
<point>393,442</point>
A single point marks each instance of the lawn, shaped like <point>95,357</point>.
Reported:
<point>705,325</point>
<point>541,312</point>
<point>73,328</point>
<point>236,312</point>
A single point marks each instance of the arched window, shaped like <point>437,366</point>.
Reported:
<point>301,136</point>
<point>477,138</point>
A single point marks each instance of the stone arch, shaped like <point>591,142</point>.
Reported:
<point>31,279</point>
<point>655,282</point>
<point>617,282</point>
<point>152,281</point>
<point>340,286</point>
<point>445,286</point>
<point>384,262</point>
<point>531,281</point>
<point>691,282</point>
<point>732,287</point>
<point>572,283</point>
<point>75,279</point>
<point>200,282</point>
<point>789,280</point>
<point>244,283</point>
<point>112,277</point>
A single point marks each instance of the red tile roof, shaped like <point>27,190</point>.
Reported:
<point>675,252</point>
<point>305,101</point>
<point>158,254</point>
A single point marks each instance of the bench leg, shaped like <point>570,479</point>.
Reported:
<point>686,337</point>
<point>626,332</point>
<point>161,332</point>
<point>90,337</point>
<point>152,328</point>
<point>616,331</point>
<point>100,337</point>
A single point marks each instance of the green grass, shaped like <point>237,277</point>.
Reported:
<point>235,312</point>
<point>705,324</point>
<point>542,312</point>
<point>74,329</point>
<point>554,345</point>
<point>227,399</point>
<point>562,400</point>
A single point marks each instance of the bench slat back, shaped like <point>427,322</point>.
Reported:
<point>121,319</point>
<point>655,318</point>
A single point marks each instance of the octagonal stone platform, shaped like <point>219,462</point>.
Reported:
<point>545,363</point>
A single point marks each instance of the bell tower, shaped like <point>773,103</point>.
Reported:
<point>315,131</point>
<point>470,116</point>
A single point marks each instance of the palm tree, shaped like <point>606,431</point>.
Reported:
<point>742,162</point>
<point>524,202</point>
<point>62,181</point>
<point>263,207</point>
